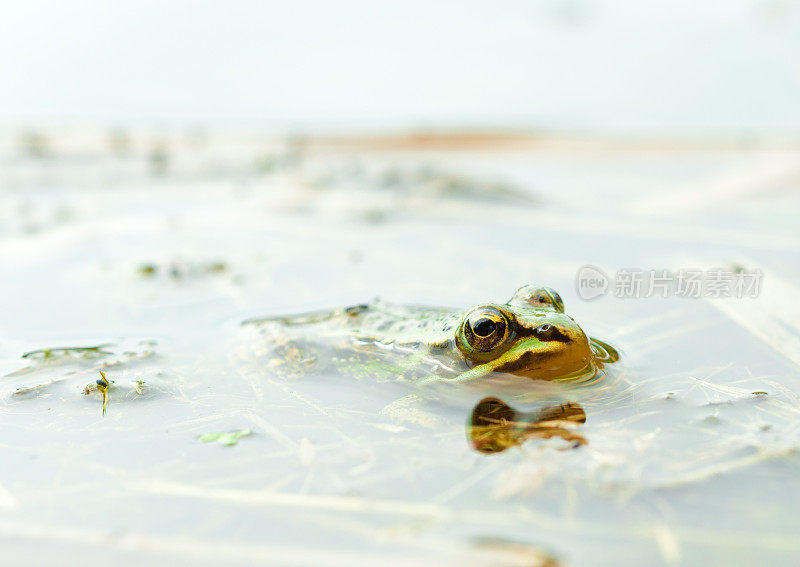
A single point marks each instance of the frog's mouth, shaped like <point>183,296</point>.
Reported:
<point>545,360</point>
<point>539,360</point>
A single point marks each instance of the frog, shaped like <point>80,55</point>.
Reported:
<point>529,336</point>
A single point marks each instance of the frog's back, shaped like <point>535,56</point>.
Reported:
<point>377,321</point>
<point>404,324</point>
<point>377,340</point>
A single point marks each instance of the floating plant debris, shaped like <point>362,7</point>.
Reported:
<point>140,387</point>
<point>147,270</point>
<point>70,364</point>
<point>181,270</point>
<point>103,385</point>
<point>135,389</point>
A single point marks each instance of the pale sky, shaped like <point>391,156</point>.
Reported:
<point>725,66</point>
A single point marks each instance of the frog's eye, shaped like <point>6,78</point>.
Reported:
<point>541,297</point>
<point>485,329</point>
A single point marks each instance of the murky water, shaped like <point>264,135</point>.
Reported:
<point>149,251</point>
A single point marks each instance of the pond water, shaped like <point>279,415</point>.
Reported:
<point>141,253</point>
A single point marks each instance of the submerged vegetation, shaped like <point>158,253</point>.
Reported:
<point>58,355</point>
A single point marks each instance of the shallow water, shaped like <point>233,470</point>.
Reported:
<point>160,250</point>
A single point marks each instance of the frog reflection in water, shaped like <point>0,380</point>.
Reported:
<point>494,426</point>
<point>528,336</point>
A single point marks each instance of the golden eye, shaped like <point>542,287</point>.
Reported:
<point>485,329</point>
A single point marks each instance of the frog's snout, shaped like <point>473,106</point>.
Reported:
<point>568,351</point>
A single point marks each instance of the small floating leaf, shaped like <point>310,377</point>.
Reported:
<point>231,438</point>
<point>209,437</point>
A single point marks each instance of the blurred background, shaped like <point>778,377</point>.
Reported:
<point>170,169</point>
<point>718,68</point>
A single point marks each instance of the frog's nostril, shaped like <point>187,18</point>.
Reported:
<point>548,332</point>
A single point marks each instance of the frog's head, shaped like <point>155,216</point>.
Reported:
<point>528,336</point>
